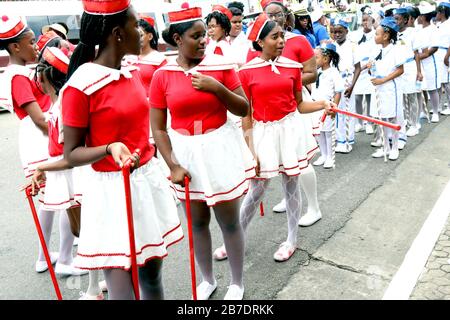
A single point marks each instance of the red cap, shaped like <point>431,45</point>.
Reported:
<point>185,15</point>
<point>265,3</point>
<point>223,10</point>
<point>56,58</point>
<point>105,7</point>
<point>257,27</point>
<point>149,20</point>
<point>11,27</point>
<point>44,39</point>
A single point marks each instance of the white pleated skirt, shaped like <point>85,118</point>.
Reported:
<point>285,146</point>
<point>219,162</point>
<point>104,238</point>
<point>33,146</point>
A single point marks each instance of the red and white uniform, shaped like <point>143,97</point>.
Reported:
<point>204,141</point>
<point>221,48</point>
<point>282,141</point>
<point>112,104</point>
<point>17,91</point>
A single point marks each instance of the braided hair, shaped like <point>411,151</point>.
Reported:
<point>94,30</point>
<point>333,55</point>
<point>147,27</point>
<point>392,34</point>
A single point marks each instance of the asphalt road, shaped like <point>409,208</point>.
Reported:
<point>341,191</point>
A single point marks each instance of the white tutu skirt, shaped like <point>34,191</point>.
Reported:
<point>220,164</point>
<point>104,238</point>
<point>33,146</point>
<point>236,119</point>
<point>284,146</point>
<point>59,191</point>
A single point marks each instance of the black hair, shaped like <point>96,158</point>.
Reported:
<point>65,26</point>
<point>150,29</point>
<point>55,42</point>
<point>309,27</point>
<point>236,5</point>
<point>94,30</point>
<point>389,13</point>
<point>334,56</point>
<point>444,10</point>
<point>221,19</point>
<point>285,9</point>
<point>429,16</point>
<point>414,12</point>
<point>236,12</point>
<point>392,34</point>
<point>404,16</point>
<point>53,75</point>
<point>264,32</point>
<point>179,28</point>
<point>5,43</point>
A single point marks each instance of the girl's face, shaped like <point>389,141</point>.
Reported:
<point>276,13</point>
<point>236,26</point>
<point>273,43</point>
<point>321,59</point>
<point>304,22</point>
<point>26,48</point>
<point>381,37</point>
<point>132,34</point>
<point>192,43</point>
<point>215,30</point>
<point>332,32</point>
<point>340,34</point>
<point>146,38</point>
<point>367,23</point>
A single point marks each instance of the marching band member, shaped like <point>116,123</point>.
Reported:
<point>237,38</point>
<point>202,143</point>
<point>105,114</point>
<point>219,27</point>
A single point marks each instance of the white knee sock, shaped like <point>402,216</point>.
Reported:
<point>65,239</point>
<point>308,182</point>
<point>93,288</point>
<point>323,144</point>
<point>329,144</point>
<point>251,201</point>
<point>46,222</point>
<point>293,206</point>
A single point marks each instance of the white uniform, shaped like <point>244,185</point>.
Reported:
<point>329,82</point>
<point>428,37</point>
<point>407,42</point>
<point>239,48</point>
<point>444,36</point>
<point>347,61</point>
<point>365,50</point>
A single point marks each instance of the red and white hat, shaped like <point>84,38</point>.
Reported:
<point>11,26</point>
<point>257,27</point>
<point>222,9</point>
<point>149,20</point>
<point>56,58</point>
<point>44,39</point>
<point>105,7</point>
<point>265,3</point>
<point>186,15</point>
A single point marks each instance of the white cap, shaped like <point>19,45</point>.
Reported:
<point>54,26</point>
<point>426,7</point>
<point>316,14</point>
<point>11,26</point>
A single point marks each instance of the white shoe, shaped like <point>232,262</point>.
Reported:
<point>205,290</point>
<point>358,127</point>
<point>422,115</point>
<point>376,143</point>
<point>418,126</point>
<point>87,296</point>
<point>435,118</point>
<point>378,154</point>
<point>220,253</point>
<point>280,207</point>
<point>445,112</point>
<point>309,219</point>
<point>413,131</point>
<point>102,285</point>
<point>343,148</point>
<point>320,161</point>
<point>393,155</point>
<point>401,144</point>
<point>41,266</point>
<point>369,129</point>
<point>329,163</point>
<point>234,293</point>
<point>69,270</point>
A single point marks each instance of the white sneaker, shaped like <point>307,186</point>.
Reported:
<point>329,163</point>
<point>102,285</point>
<point>69,270</point>
<point>413,131</point>
<point>205,290</point>
<point>376,143</point>
<point>369,129</point>
<point>422,115</point>
<point>435,118</point>
<point>234,293</point>
<point>309,219</point>
<point>445,112</point>
<point>320,161</point>
<point>280,207</point>
<point>358,127</point>
<point>343,148</point>
<point>379,153</point>
<point>41,266</point>
<point>87,296</point>
<point>393,155</point>
<point>401,144</point>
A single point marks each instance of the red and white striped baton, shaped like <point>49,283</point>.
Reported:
<point>191,239</point>
<point>42,241</point>
<point>360,116</point>
<point>126,181</point>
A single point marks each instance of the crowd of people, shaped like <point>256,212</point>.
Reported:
<point>232,110</point>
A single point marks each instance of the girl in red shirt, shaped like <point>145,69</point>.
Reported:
<point>105,114</point>
<point>219,27</point>
<point>280,141</point>
<point>202,143</point>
